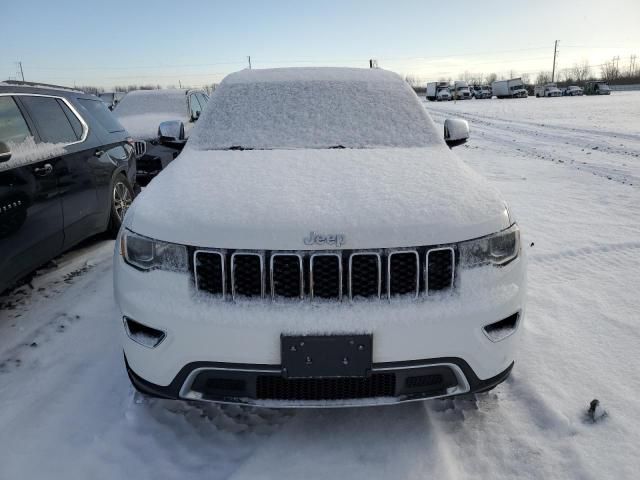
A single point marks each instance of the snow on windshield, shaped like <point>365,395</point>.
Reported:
<point>142,111</point>
<point>313,108</point>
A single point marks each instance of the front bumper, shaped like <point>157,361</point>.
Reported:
<point>263,385</point>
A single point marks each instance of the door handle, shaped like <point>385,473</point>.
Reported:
<point>43,171</point>
<point>99,153</point>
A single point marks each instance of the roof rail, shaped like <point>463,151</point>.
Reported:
<point>19,83</point>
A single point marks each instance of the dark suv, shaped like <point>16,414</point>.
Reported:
<point>66,173</point>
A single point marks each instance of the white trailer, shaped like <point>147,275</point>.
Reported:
<point>513,88</point>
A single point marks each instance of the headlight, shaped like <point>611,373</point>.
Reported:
<point>497,249</point>
<point>146,253</point>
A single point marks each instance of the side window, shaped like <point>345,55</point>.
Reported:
<point>203,99</point>
<point>51,121</point>
<point>195,106</point>
<point>13,128</point>
<point>73,120</point>
<point>98,110</point>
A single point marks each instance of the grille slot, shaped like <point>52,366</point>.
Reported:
<point>270,387</point>
<point>440,268</point>
<point>364,275</point>
<point>403,273</point>
<point>210,272</point>
<point>247,275</point>
<point>287,275</point>
<point>326,276</point>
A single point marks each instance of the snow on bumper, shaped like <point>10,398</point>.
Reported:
<point>201,329</point>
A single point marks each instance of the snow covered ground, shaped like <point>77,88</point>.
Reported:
<point>570,168</point>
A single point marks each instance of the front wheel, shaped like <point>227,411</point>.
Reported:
<point>121,199</point>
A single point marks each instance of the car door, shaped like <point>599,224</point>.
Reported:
<point>57,122</point>
<point>31,221</point>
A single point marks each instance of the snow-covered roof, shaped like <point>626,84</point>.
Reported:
<point>313,108</point>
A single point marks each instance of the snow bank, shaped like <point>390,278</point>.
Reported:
<point>28,151</point>
<point>313,108</point>
<point>141,111</point>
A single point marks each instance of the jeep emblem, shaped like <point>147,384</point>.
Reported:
<point>333,239</point>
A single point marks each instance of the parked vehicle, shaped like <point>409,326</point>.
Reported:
<point>111,99</point>
<point>265,267</point>
<point>547,90</point>
<point>66,173</point>
<point>438,91</point>
<point>597,87</point>
<point>481,91</point>
<point>461,90</point>
<point>572,91</point>
<point>513,88</point>
<point>162,118</point>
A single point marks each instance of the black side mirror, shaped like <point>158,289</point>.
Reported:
<point>171,134</point>
<point>195,116</point>
<point>456,132</point>
<point>5,152</point>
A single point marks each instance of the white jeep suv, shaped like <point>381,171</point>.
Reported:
<point>316,243</point>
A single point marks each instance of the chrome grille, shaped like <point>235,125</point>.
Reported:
<point>440,269</point>
<point>140,147</point>
<point>325,275</point>
<point>365,275</point>
<point>247,275</point>
<point>287,275</point>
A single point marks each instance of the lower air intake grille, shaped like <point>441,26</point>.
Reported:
<point>278,388</point>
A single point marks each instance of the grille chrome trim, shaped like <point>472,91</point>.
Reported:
<point>396,252</point>
<point>360,254</point>
<point>426,267</point>
<point>222,263</point>
<point>233,272</point>
<point>340,275</point>
<point>301,266</point>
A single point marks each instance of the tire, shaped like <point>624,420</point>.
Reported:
<point>121,198</point>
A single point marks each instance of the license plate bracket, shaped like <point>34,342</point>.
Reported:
<point>326,356</point>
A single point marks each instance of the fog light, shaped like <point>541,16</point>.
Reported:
<point>143,335</point>
<point>500,330</point>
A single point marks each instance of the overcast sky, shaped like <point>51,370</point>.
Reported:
<point>164,42</point>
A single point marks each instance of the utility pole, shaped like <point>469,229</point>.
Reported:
<point>21,72</point>
<point>249,59</point>
<point>555,51</point>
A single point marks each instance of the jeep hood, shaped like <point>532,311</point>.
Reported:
<point>273,199</point>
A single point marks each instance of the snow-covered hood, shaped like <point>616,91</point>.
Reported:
<point>274,199</point>
<point>145,126</point>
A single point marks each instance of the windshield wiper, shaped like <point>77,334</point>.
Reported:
<point>238,147</point>
<point>336,146</point>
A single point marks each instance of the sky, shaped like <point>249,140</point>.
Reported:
<point>198,43</point>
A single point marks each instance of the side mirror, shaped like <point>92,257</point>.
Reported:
<point>5,152</point>
<point>171,134</point>
<point>195,116</point>
<point>456,131</point>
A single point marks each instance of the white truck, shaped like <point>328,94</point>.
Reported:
<point>513,88</point>
<point>438,91</point>
<point>481,91</point>
<point>547,90</point>
<point>461,90</point>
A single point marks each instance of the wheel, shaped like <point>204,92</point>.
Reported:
<point>121,199</point>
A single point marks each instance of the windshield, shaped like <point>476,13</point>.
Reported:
<point>140,102</point>
<point>318,108</point>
